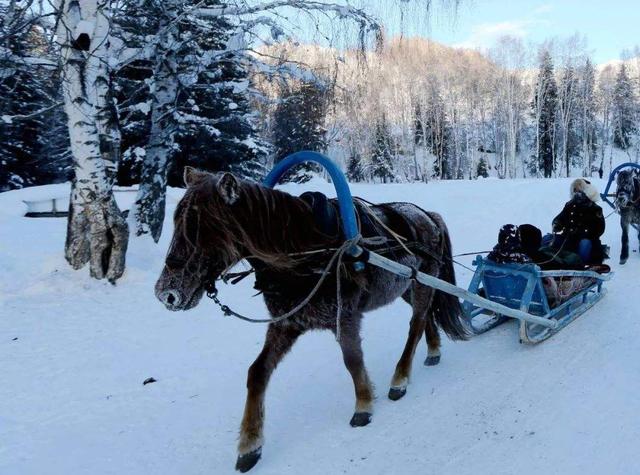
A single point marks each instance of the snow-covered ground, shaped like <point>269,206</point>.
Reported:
<point>74,353</point>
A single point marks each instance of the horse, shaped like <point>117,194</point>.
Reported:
<point>223,219</point>
<point>628,204</point>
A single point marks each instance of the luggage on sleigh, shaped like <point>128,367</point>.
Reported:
<point>556,297</point>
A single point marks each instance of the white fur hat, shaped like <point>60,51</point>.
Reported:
<point>586,187</point>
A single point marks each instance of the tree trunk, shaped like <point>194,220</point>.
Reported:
<point>150,202</point>
<point>96,231</point>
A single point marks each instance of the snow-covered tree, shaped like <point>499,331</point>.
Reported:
<point>482,169</point>
<point>587,116</point>
<point>567,116</point>
<point>381,157</point>
<point>97,232</point>
<point>33,150</point>
<point>624,110</point>
<point>438,135</point>
<point>299,122</point>
<point>544,107</point>
<point>184,101</point>
<point>355,170</point>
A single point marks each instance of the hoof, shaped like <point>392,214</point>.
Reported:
<point>360,419</point>
<point>247,461</point>
<point>623,260</point>
<point>397,393</point>
<point>432,360</point>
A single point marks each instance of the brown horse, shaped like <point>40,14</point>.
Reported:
<point>222,220</point>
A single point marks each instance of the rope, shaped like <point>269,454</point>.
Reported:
<point>337,256</point>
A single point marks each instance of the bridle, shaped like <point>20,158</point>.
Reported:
<point>633,195</point>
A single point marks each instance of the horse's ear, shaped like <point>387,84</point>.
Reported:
<point>189,176</point>
<point>229,188</point>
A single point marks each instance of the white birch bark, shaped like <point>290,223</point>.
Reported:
<point>96,231</point>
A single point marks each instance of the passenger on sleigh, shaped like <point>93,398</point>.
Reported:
<point>578,227</point>
<point>575,243</point>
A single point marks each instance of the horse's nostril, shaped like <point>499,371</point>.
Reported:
<point>170,298</point>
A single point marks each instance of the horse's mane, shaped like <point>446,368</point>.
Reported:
<point>263,223</point>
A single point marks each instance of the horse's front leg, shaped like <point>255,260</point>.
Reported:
<point>278,342</point>
<point>351,346</point>
<point>624,254</point>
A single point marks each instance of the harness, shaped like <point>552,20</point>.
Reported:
<point>636,192</point>
<point>368,223</point>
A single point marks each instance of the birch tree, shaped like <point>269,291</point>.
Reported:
<point>97,232</point>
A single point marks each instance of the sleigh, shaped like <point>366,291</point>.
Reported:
<point>553,298</point>
<point>497,291</point>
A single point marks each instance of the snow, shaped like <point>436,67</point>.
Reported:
<point>75,352</point>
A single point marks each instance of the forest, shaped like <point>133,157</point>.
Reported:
<point>129,92</point>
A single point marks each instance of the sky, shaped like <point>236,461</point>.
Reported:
<point>609,26</point>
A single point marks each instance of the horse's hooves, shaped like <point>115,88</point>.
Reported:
<point>432,360</point>
<point>396,393</point>
<point>360,419</point>
<point>623,260</point>
<point>247,461</point>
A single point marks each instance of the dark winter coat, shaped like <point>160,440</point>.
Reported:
<point>580,219</point>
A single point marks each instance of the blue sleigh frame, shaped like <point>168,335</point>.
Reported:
<point>496,291</point>
<point>520,286</point>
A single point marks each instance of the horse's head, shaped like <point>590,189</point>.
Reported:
<point>204,243</point>
<point>627,190</point>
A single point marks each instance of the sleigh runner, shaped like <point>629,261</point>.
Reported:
<point>557,297</point>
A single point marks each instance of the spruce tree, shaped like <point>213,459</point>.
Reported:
<point>355,170</point>
<point>381,158</point>
<point>33,148</point>
<point>587,121</point>
<point>544,109</point>
<point>567,116</point>
<point>211,124</point>
<point>624,109</point>
<point>438,135</point>
<point>298,123</point>
<point>482,169</point>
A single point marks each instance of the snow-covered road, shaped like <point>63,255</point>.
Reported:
<point>74,353</point>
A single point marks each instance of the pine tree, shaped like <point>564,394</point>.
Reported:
<point>482,170</point>
<point>438,137</point>
<point>587,122</point>
<point>567,116</point>
<point>33,149</point>
<point>544,108</point>
<point>381,158</point>
<point>624,109</point>
<point>355,170</point>
<point>185,105</point>
<point>298,123</point>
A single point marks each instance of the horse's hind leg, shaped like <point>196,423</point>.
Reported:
<point>433,343</point>
<point>278,342</point>
<point>351,346</point>
<point>422,297</point>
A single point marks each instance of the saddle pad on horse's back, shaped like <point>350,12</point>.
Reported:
<point>324,213</point>
<point>327,217</point>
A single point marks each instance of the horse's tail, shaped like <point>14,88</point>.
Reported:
<point>446,310</point>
